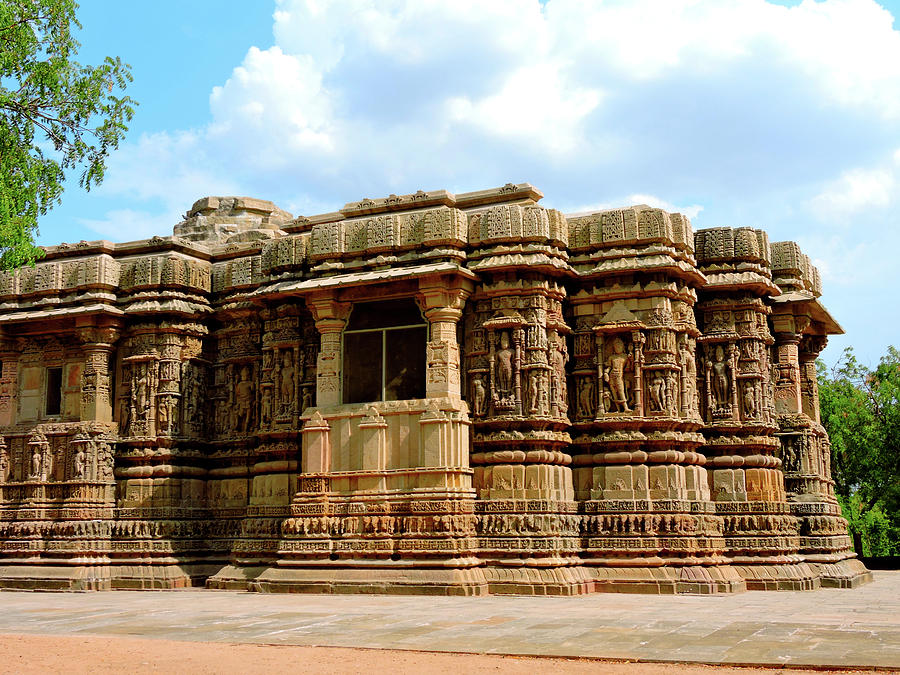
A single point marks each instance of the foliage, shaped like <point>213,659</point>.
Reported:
<point>55,115</point>
<point>861,411</point>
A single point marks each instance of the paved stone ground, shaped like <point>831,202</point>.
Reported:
<point>829,627</point>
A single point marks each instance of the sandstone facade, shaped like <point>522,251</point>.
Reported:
<point>429,393</point>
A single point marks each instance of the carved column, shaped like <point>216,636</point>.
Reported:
<point>800,324</point>
<point>516,360</point>
<point>330,317</point>
<point>442,301</point>
<point>10,349</point>
<point>97,338</point>
<point>640,478</point>
<point>810,347</point>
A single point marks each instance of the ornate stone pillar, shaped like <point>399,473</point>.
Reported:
<point>810,348</point>
<point>441,301</point>
<point>10,348</point>
<point>746,482</point>
<point>801,324</point>
<point>648,523</point>
<point>98,337</point>
<point>330,317</point>
<point>787,365</point>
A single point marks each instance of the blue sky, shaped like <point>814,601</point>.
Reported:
<point>779,115</point>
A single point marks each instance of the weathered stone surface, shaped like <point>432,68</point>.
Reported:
<point>427,393</point>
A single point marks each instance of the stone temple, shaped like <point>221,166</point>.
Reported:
<point>428,393</point>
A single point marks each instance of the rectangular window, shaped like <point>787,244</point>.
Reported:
<point>404,368</point>
<point>362,367</point>
<point>384,352</point>
<point>54,391</point>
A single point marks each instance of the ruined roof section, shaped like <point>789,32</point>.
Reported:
<point>793,270</point>
<point>228,220</point>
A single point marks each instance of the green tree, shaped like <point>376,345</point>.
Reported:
<point>56,115</point>
<point>861,411</point>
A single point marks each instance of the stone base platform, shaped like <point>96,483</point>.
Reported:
<point>37,577</point>
<point>564,580</point>
<point>799,576</point>
<point>848,573</point>
<point>693,579</point>
<point>343,580</point>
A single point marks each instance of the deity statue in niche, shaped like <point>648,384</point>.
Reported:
<point>479,394</point>
<point>558,357</point>
<point>658,392</point>
<point>543,395</point>
<point>124,413</point>
<point>287,378</point>
<point>192,393</point>
<point>265,415</point>
<point>163,419</point>
<point>688,375</point>
<point>586,397</point>
<point>105,461</point>
<point>78,462</point>
<point>4,462</point>
<point>504,367</point>
<point>719,370</point>
<point>615,375</point>
<point>36,463</point>
<point>306,402</point>
<point>140,390</point>
<point>243,401</point>
<point>750,407</point>
<point>534,390</point>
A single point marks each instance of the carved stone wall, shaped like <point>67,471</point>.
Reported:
<point>608,402</point>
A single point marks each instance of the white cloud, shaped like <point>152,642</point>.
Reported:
<point>584,99</point>
<point>857,190</point>
<point>130,225</point>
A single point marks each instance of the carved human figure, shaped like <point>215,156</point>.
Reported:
<point>140,391</point>
<point>658,392</point>
<point>287,375</point>
<point>4,462</point>
<point>614,375</point>
<point>243,401</point>
<point>479,394</point>
<point>688,375</point>
<point>586,398</point>
<point>265,415</point>
<point>720,377</point>
<point>534,390</point>
<point>504,367</point>
<point>124,413</point>
<point>558,358</point>
<point>671,393</point>
<point>750,407</point>
<point>163,417</point>
<point>78,462</point>
<point>543,395</point>
<point>36,462</point>
<point>191,393</point>
<point>306,401</point>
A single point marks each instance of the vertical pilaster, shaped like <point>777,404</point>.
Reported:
<point>330,317</point>
<point>442,301</point>
<point>98,336</point>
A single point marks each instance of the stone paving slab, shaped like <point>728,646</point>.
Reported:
<point>827,627</point>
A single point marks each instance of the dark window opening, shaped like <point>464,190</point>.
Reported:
<point>384,352</point>
<point>54,391</point>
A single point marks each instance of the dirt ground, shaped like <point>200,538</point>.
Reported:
<point>73,655</point>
